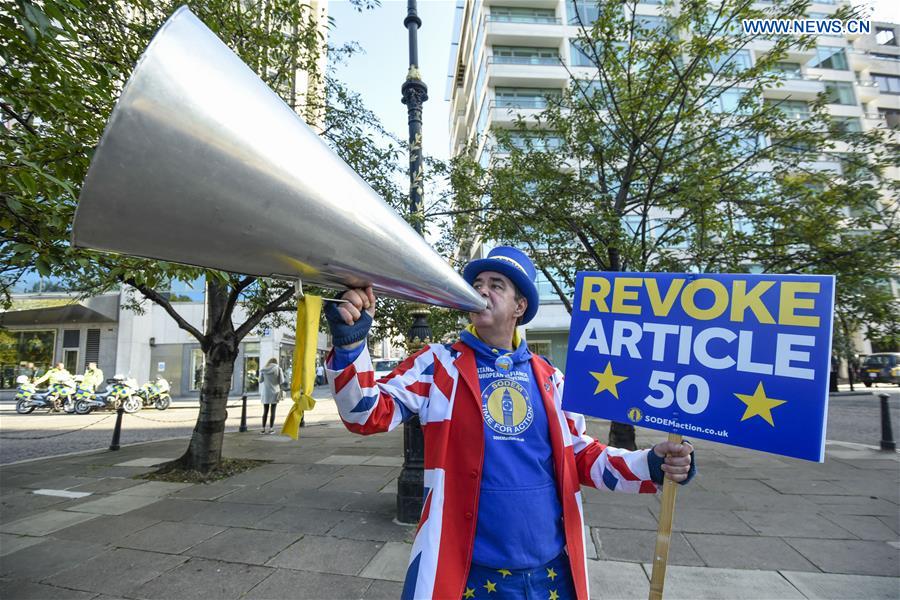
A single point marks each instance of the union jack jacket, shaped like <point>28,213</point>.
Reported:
<point>440,384</point>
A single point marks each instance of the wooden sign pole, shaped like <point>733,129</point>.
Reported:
<point>664,533</point>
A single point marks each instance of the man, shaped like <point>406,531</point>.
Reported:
<point>503,461</point>
<point>57,375</point>
<point>93,377</point>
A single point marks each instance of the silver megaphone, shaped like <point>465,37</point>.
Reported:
<point>202,164</point>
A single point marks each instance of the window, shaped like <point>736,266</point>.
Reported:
<point>483,115</point>
<point>539,141</point>
<point>839,92</point>
<point>586,9</point>
<point>828,57</point>
<point>20,348</point>
<point>198,368</point>
<point>792,109</point>
<point>541,347</point>
<point>523,97</point>
<point>521,55</point>
<point>824,17</point>
<point>251,367</point>
<point>521,14</point>
<point>578,57</point>
<point>728,101</point>
<point>788,70</point>
<point>887,84</point>
<point>891,116</point>
<point>846,124</point>
<point>885,36</point>
<point>735,62</point>
<point>649,23</point>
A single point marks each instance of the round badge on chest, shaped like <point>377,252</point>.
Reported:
<point>503,363</point>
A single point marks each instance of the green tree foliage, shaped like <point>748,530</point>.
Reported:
<point>64,63</point>
<point>662,155</point>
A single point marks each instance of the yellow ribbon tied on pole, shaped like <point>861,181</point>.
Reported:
<point>303,377</point>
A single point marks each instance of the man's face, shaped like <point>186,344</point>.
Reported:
<point>500,295</point>
<point>60,365</point>
<point>92,365</point>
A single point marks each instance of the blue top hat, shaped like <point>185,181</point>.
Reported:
<point>516,265</point>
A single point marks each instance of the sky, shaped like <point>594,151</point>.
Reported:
<point>378,74</point>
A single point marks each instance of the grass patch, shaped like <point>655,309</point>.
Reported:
<point>228,467</point>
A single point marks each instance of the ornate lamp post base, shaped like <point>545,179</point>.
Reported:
<point>411,483</point>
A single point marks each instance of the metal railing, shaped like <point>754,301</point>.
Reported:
<point>537,20</point>
<point>524,60</point>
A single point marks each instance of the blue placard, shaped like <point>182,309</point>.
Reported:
<point>737,359</point>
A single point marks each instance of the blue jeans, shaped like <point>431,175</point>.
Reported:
<point>550,581</point>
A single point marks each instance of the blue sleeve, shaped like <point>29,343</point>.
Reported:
<point>343,357</point>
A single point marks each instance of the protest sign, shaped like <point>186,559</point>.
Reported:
<point>733,358</point>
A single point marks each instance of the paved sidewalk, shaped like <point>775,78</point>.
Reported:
<point>317,522</point>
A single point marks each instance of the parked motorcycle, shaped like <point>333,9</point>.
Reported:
<point>119,392</point>
<point>155,393</point>
<point>28,398</point>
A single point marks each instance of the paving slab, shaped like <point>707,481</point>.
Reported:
<point>608,579</point>
<point>748,552</point>
<point>170,509</point>
<point>59,483</point>
<point>732,485</point>
<point>774,502</point>
<point>231,514</point>
<point>389,563</point>
<point>113,505</point>
<point>251,546</point>
<point>42,560</point>
<point>862,526</point>
<point>691,520</point>
<point>385,461</point>
<point>258,475</point>
<point>384,590</point>
<point>106,485</point>
<point>14,507</point>
<point>344,459</point>
<point>692,583</point>
<point>327,555</point>
<point>354,483</point>
<point>202,579</point>
<point>210,491</point>
<point>20,589</point>
<point>799,485</point>
<point>295,519</point>
<point>45,522</point>
<point>621,517</point>
<point>372,502</point>
<point>854,505</point>
<point>638,545</point>
<point>828,586</point>
<point>117,572</point>
<point>286,583</point>
<point>10,543</point>
<point>793,524</point>
<point>374,527</point>
<point>154,489</point>
<point>148,461</point>
<point>590,548</point>
<point>168,537</point>
<point>107,531</point>
<point>849,556</point>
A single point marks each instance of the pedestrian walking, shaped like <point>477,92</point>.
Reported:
<point>270,379</point>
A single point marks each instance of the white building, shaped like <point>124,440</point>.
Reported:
<point>48,328</point>
<point>507,53</point>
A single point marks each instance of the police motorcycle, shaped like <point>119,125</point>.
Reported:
<point>119,392</point>
<point>155,393</point>
<point>28,398</point>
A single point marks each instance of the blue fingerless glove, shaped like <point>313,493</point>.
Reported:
<point>343,334</point>
<point>657,475</point>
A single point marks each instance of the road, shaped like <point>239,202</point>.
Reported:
<point>41,434</point>
<point>850,419</point>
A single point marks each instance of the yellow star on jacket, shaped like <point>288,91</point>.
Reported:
<point>490,586</point>
<point>553,595</point>
<point>470,593</point>
<point>759,405</point>
<point>551,573</point>
<point>607,380</point>
<point>504,572</point>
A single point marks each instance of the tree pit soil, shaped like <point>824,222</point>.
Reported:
<point>226,468</point>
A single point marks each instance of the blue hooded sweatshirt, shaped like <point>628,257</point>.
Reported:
<point>519,513</point>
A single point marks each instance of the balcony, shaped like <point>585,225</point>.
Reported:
<point>866,91</point>
<point>805,88</point>
<point>526,72</point>
<point>507,110</point>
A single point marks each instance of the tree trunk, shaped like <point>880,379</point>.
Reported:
<point>221,350</point>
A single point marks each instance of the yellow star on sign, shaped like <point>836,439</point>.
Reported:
<point>607,380</point>
<point>490,586</point>
<point>504,572</point>
<point>553,595</point>
<point>759,405</point>
<point>470,593</point>
<point>551,573</point>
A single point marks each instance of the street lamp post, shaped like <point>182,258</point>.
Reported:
<point>410,484</point>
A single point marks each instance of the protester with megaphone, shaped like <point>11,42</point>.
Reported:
<point>503,462</point>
